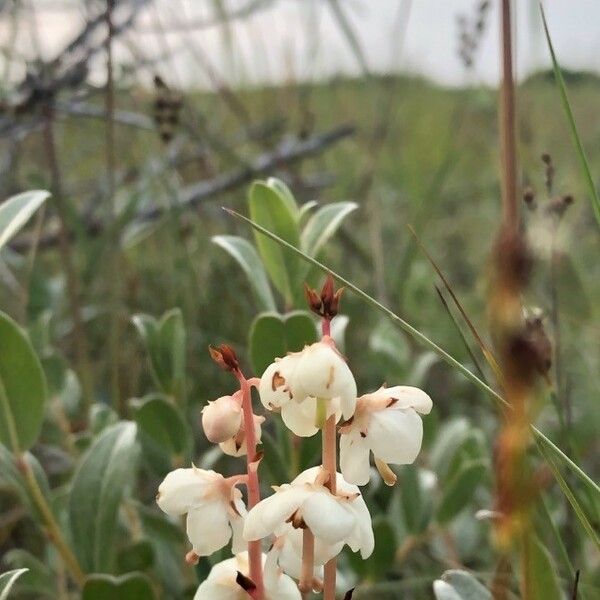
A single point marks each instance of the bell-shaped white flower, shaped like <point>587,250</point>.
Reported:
<point>213,505</point>
<point>295,382</point>
<point>290,557</point>
<point>236,444</point>
<point>222,418</point>
<point>221,583</point>
<point>339,519</point>
<point>388,423</point>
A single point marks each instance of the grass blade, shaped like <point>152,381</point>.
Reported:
<point>570,496</point>
<point>560,82</point>
<point>460,332</point>
<point>423,339</point>
<point>487,353</point>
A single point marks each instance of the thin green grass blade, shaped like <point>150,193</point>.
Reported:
<point>540,437</point>
<point>460,332</point>
<point>566,490</point>
<point>560,82</point>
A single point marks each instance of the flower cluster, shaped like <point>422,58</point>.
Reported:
<point>306,522</point>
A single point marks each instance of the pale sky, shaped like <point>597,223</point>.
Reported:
<point>301,39</point>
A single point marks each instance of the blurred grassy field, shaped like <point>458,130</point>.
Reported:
<point>422,155</point>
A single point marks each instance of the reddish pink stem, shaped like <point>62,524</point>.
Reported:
<point>254,548</point>
<point>329,460</point>
<point>326,327</point>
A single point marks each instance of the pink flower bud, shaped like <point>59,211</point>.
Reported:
<point>222,418</point>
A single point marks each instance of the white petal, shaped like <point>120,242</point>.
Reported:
<point>362,537</point>
<point>275,385</point>
<point>208,527</point>
<point>354,458</point>
<point>323,551</point>
<point>221,419</point>
<point>328,518</point>
<point>238,544</point>
<point>270,513</point>
<point>183,489</point>
<point>300,417</point>
<point>285,589</point>
<point>322,373</point>
<point>220,583</point>
<point>307,476</point>
<point>395,436</point>
<point>213,590</point>
<point>408,397</point>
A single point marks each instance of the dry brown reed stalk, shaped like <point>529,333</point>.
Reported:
<point>515,352</point>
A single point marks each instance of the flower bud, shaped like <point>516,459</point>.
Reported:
<point>225,357</point>
<point>222,419</point>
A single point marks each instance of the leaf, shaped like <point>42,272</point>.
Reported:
<point>137,556</point>
<point>411,498</point>
<point>460,489</point>
<point>126,587</point>
<point>244,253</point>
<point>273,335</point>
<point>382,558</point>
<point>22,388</point>
<point>467,587</point>
<point>11,478</point>
<point>425,341</point>
<point>270,209</point>
<point>39,581</point>
<point>171,332</point>
<point>17,210</point>
<point>459,585</point>
<point>560,82</point>
<point>102,480</point>
<point>164,340</point>
<point>285,194</point>
<point>7,580</point>
<point>323,224</point>
<point>444,591</point>
<point>165,435</point>
<point>540,573</point>
<point>447,442</point>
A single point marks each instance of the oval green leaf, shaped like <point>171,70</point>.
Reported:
<point>273,335</point>
<point>164,433</point>
<point>323,224</point>
<point>271,209</point>
<point>460,489</point>
<point>22,388</point>
<point>244,253</point>
<point>17,210</point>
<point>102,480</point>
<point>126,587</point>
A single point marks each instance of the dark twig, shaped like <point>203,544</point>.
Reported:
<point>190,197</point>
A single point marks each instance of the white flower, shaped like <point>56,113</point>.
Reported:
<point>213,505</point>
<point>221,582</point>
<point>222,418</point>
<point>293,384</point>
<point>333,520</point>
<point>387,423</point>
<point>236,445</point>
<point>290,558</point>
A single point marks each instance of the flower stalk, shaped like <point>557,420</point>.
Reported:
<point>329,460</point>
<point>254,547</point>
<point>308,561</point>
